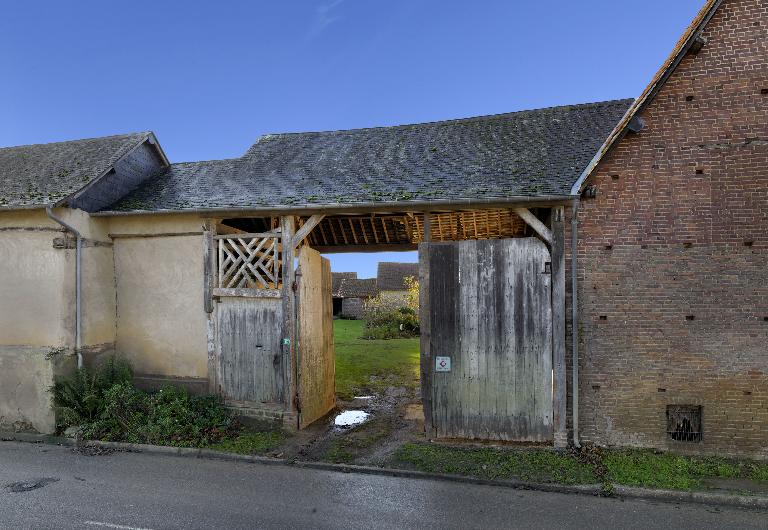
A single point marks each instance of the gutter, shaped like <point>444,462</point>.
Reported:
<point>360,207</point>
<point>575,323</point>
<point>78,282</point>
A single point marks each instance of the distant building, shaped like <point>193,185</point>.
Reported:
<point>350,293</point>
<point>391,278</point>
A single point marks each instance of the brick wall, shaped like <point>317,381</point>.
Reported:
<point>673,255</point>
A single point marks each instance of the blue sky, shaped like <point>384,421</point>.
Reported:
<point>210,77</point>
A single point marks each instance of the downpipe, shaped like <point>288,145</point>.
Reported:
<point>575,322</point>
<point>78,281</point>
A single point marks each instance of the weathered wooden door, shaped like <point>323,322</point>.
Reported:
<point>250,352</point>
<point>486,341</point>
<point>317,358</point>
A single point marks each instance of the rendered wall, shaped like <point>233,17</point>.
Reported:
<point>673,256</point>
<point>161,322</point>
<point>37,310</point>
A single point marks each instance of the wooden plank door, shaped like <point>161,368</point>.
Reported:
<point>317,357</point>
<point>487,339</point>
<point>250,352</point>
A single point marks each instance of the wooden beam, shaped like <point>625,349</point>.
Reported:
<point>311,223</point>
<point>407,228</point>
<point>426,358</point>
<point>343,233</point>
<point>384,225</point>
<point>209,266</point>
<point>209,277</point>
<point>362,229</point>
<point>325,236</point>
<point>427,228</point>
<point>558,327</point>
<point>354,232</point>
<point>288,382</point>
<point>533,221</point>
<point>373,228</point>
<point>381,247</point>
<point>333,231</point>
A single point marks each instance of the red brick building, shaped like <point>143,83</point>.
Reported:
<point>673,251</point>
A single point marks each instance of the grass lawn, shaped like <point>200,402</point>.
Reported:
<point>393,362</point>
<point>628,467</point>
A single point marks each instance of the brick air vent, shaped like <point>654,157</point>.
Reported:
<point>764,91</point>
<point>684,423</point>
<point>689,98</point>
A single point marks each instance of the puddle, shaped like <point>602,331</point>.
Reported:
<point>350,418</point>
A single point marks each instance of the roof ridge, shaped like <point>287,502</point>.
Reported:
<point>450,120</point>
<point>126,135</point>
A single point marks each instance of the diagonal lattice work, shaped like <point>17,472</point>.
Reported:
<point>250,262</point>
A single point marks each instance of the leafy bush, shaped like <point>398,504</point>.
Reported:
<point>393,317</point>
<point>168,417</point>
<point>81,398</point>
<point>108,407</point>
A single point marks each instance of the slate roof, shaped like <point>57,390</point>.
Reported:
<point>520,154</point>
<point>42,174</point>
<point>357,288</point>
<point>337,278</point>
<point>390,276</point>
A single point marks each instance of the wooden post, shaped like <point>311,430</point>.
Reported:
<point>289,316</point>
<point>558,327</point>
<point>425,321</point>
<point>209,275</point>
<point>427,228</point>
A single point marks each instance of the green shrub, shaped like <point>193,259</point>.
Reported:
<point>168,417</point>
<point>389,317</point>
<point>108,407</point>
<point>80,399</point>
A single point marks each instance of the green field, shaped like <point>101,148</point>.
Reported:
<point>370,366</point>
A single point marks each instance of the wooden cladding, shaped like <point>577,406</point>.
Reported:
<point>249,261</point>
<point>409,229</point>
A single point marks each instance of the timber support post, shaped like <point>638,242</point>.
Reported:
<point>209,275</point>
<point>558,327</point>
<point>287,230</point>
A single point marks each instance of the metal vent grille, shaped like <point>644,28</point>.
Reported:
<point>684,423</point>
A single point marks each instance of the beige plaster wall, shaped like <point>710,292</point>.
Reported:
<point>161,322</point>
<point>33,290</point>
<point>37,309</point>
<point>26,374</point>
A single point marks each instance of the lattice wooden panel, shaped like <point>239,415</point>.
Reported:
<point>251,262</point>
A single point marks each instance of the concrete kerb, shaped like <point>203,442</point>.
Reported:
<point>757,502</point>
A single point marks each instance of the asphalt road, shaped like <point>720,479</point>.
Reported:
<point>141,491</point>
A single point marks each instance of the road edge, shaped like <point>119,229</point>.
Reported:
<point>669,496</point>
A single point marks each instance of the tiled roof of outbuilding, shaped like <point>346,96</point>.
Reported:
<point>357,288</point>
<point>391,276</point>
<point>337,278</point>
<point>531,153</point>
<point>42,174</point>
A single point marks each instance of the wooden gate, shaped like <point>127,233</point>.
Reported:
<point>250,320</point>
<point>486,343</point>
<point>316,363</point>
<point>251,354</point>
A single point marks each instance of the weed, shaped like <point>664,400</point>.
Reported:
<point>538,465</point>
<point>250,443</point>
